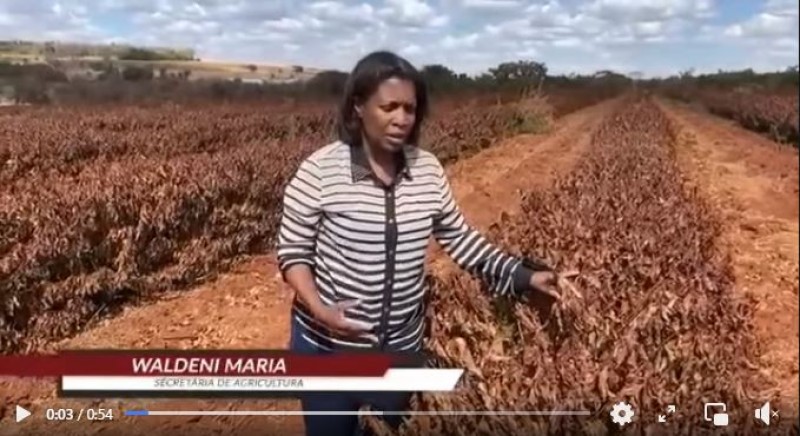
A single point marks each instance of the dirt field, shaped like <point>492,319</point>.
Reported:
<point>751,182</point>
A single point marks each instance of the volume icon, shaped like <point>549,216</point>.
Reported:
<point>762,413</point>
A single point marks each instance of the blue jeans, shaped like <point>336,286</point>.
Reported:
<point>342,425</point>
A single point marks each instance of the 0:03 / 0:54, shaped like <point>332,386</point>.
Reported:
<point>79,414</point>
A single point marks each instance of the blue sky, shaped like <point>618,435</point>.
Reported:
<point>653,37</point>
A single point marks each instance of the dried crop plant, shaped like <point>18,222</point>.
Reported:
<point>654,318</point>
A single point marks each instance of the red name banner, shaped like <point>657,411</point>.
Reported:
<point>197,363</point>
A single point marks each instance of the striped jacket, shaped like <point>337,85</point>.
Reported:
<point>367,241</point>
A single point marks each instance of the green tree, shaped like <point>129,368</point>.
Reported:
<point>141,54</point>
<point>438,72</point>
<point>137,74</point>
<point>327,83</point>
<point>517,79</point>
<point>520,71</point>
<point>439,78</point>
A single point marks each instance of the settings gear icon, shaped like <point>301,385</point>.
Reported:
<point>622,413</point>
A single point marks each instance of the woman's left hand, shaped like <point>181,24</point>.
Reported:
<point>545,282</point>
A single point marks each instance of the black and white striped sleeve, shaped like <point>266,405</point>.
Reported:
<point>502,273</point>
<point>301,216</point>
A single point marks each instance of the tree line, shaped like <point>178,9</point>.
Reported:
<point>46,83</point>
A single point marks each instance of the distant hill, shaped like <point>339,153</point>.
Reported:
<point>88,61</point>
<point>115,51</point>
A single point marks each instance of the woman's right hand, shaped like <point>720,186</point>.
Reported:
<point>333,317</point>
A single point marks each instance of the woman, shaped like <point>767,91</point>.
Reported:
<point>356,221</point>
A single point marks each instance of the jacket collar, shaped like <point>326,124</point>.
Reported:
<point>361,169</point>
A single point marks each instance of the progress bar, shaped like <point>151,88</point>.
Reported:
<point>357,412</point>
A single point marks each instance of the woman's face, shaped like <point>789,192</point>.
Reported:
<point>388,116</point>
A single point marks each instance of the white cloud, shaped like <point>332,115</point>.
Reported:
<point>771,34</point>
<point>246,10</point>
<point>460,42</point>
<point>517,27</point>
<point>192,26</point>
<point>43,19</point>
<point>484,5</point>
<point>411,13</point>
<point>339,13</point>
<point>529,52</point>
<point>466,35</point>
<point>782,7</point>
<point>550,12</point>
<point>785,42</point>
<point>553,23</point>
<point>765,25</point>
<point>649,28</point>
<point>411,50</point>
<point>286,24</point>
<point>568,42</point>
<point>627,11</point>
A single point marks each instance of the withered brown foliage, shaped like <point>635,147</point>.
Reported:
<point>776,115</point>
<point>62,141</point>
<point>104,207</point>
<point>658,322</point>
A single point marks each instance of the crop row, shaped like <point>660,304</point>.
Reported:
<point>653,318</point>
<point>63,140</point>
<point>101,209</point>
<point>773,114</point>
